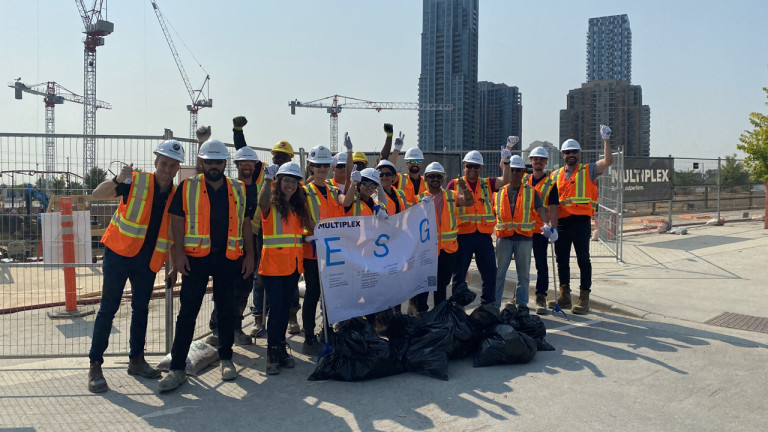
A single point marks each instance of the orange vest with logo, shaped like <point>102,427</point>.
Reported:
<point>578,195</point>
<point>197,223</point>
<point>522,222</point>
<point>544,188</point>
<point>359,208</point>
<point>447,223</point>
<point>128,227</point>
<point>282,253</point>
<point>405,184</point>
<point>386,200</point>
<point>478,217</point>
<point>321,208</point>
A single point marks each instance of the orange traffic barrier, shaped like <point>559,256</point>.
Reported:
<point>68,254</point>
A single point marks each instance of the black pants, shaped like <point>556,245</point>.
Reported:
<point>540,246</point>
<point>193,286</point>
<point>481,246</point>
<point>243,288</point>
<point>311,295</point>
<point>279,290</point>
<point>574,230</point>
<point>446,263</point>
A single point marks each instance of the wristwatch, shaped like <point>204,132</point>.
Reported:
<point>114,180</point>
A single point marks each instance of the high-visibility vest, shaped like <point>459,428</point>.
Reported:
<point>128,227</point>
<point>578,195</point>
<point>386,201</point>
<point>359,208</point>
<point>544,188</point>
<point>320,208</point>
<point>507,224</point>
<point>405,184</point>
<point>334,183</point>
<point>258,180</point>
<point>478,217</point>
<point>197,223</point>
<point>282,253</point>
<point>447,223</point>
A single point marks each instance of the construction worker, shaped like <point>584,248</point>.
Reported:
<point>447,203</point>
<point>339,168</point>
<point>245,161</point>
<point>412,184</point>
<point>323,202</point>
<point>212,216</point>
<point>359,160</point>
<point>136,245</point>
<point>547,188</point>
<point>577,188</point>
<point>284,218</point>
<point>358,201</point>
<point>514,206</point>
<point>476,222</point>
<point>391,199</point>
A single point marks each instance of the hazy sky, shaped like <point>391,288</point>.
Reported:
<point>701,65</point>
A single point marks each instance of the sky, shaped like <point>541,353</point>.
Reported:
<point>701,65</point>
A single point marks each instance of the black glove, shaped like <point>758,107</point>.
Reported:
<point>239,122</point>
<point>388,129</point>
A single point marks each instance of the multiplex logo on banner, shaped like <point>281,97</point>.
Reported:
<point>647,179</point>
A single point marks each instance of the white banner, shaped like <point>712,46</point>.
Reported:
<point>367,265</point>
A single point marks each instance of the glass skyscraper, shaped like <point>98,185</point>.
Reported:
<point>609,48</point>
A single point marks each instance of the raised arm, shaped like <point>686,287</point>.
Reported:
<point>607,160</point>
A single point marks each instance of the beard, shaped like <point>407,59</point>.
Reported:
<point>414,169</point>
<point>213,175</point>
<point>246,174</point>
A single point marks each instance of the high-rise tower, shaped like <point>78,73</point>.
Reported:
<point>609,48</point>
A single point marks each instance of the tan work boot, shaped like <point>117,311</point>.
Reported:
<point>258,326</point>
<point>96,381</point>
<point>173,379</point>
<point>541,304</point>
<point>293,322</point>
<point>139,366</point>
<point>564,299</point>
<point>582,304</point>
<point>241,338</point>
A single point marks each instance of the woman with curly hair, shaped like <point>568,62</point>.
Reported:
<point>284,217</point>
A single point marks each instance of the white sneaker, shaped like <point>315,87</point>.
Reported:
<point>228,371</point>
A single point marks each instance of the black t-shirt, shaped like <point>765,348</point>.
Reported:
<point>156,216</point>
<point>553,197</point>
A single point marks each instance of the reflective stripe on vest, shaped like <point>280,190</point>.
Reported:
<point>197,223</point>
<point>386,201</point>
<point>277,239</point>
<point>578,195</point>
<point>507,224</point>
<point>137,200</point>
<point>405,184</point>
<point>450,233</point>
<point>544,187</point>
<point>483,222</point>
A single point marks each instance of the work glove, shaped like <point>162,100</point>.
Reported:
<point>427,198</point>
<point>271,171</point>
<point>355,176</point>
<point>309,239</point>
<point>512,141</point>
<point>550,233</point>
<point>399,141</point>
<point>334,161</point>
<point>239,122</point>
<point>506,155</point>
<point>388,129</point>
<point>347,142</point>
<point>605,132</point>
<point>126,174</point>
<point>381,214</point>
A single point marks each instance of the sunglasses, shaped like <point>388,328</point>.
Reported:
<point>213,161</point>
<point>320,165</point>
<point>413,161</point>
<point>434,176</point>
<point>567,152</point>
<point>473,166</point>
<point>341,166</point>
<point>369,184</point>
<point>246,163</point>
<point>517,170</point>
<point>387,174</point>
<point>290,180</point>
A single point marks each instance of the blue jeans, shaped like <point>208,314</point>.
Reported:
<point>481,246</point>
<point>117,270</point>
<point>521,249</point>
<point>279,290</point>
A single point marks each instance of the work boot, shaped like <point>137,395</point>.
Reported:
<point>173,379</point>
<point>285,359</point>
<point>96,381</point>
<point>541,304</point>
<point>258,327</point>
<point>311,345</point>
<point>293,322</point>
<point>212,340</point>
<point>139,366</point>
<point>582,304</point>
<point>228,371</point>
<point>564,299</point>
<point>273,360</point>
<point>241,338</point>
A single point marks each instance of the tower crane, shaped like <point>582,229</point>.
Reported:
<point>334,104</point>
<point>53,94</point>
<point>95,29</point>
<point>198,97</point>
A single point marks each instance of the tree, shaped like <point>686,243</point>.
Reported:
<point>733,172</point>
<point>687,178</point>
<point>93,178</point>
<point>755,144</point>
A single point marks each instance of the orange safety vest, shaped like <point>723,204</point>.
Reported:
<point>128,227</point>
<point>522,221</point>
<point>359,208</point>
<point>447,223</point>
<point>282,253</point>
<point>386,200</point>
<point>544,187</point>
<point>478,217</point>
<point>320,208</point>
<point>578,195</point>
<point>259,182</point>
<point>405,184</point>
<point>197,223</point>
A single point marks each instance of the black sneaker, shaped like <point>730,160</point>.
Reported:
<point>286,361</point>
<point>311,345</point>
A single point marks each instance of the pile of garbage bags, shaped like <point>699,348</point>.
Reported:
<point>425,344</point>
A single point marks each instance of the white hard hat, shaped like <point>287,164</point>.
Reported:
<point>539,152</point>
<point>414,153</point>
<point>246,154</point>
<point>291,169</point>
<point>171,148</point>
<point>320,155</point>
<point>386,163</point>
<point>516,162</point>
<point>341,158</point>
<point>434,167</point>
<point>213,149</point>
<point>371,174</point>
<point>570,144</point>
<point>473,157</point>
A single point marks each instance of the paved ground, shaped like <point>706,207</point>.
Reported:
<point>643,360</point>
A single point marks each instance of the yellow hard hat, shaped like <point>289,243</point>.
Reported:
<point>284,147</point>
<point>359,156</point>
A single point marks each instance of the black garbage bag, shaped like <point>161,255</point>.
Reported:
<point>462,295</point>
<point>487,316</point>
<point>464,331</point>
<point>505,346</point>
<point>520,319</point>
<point>358,354</point>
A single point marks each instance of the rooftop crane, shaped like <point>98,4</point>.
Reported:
<point>53,94</point>
<point>95,29</point>
<point>335,107</point>
<point>199,97</point>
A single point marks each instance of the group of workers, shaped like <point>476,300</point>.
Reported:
<point>253,235</point>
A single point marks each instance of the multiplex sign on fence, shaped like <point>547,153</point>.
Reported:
<point>367,265</point>
<point>648,179</point>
